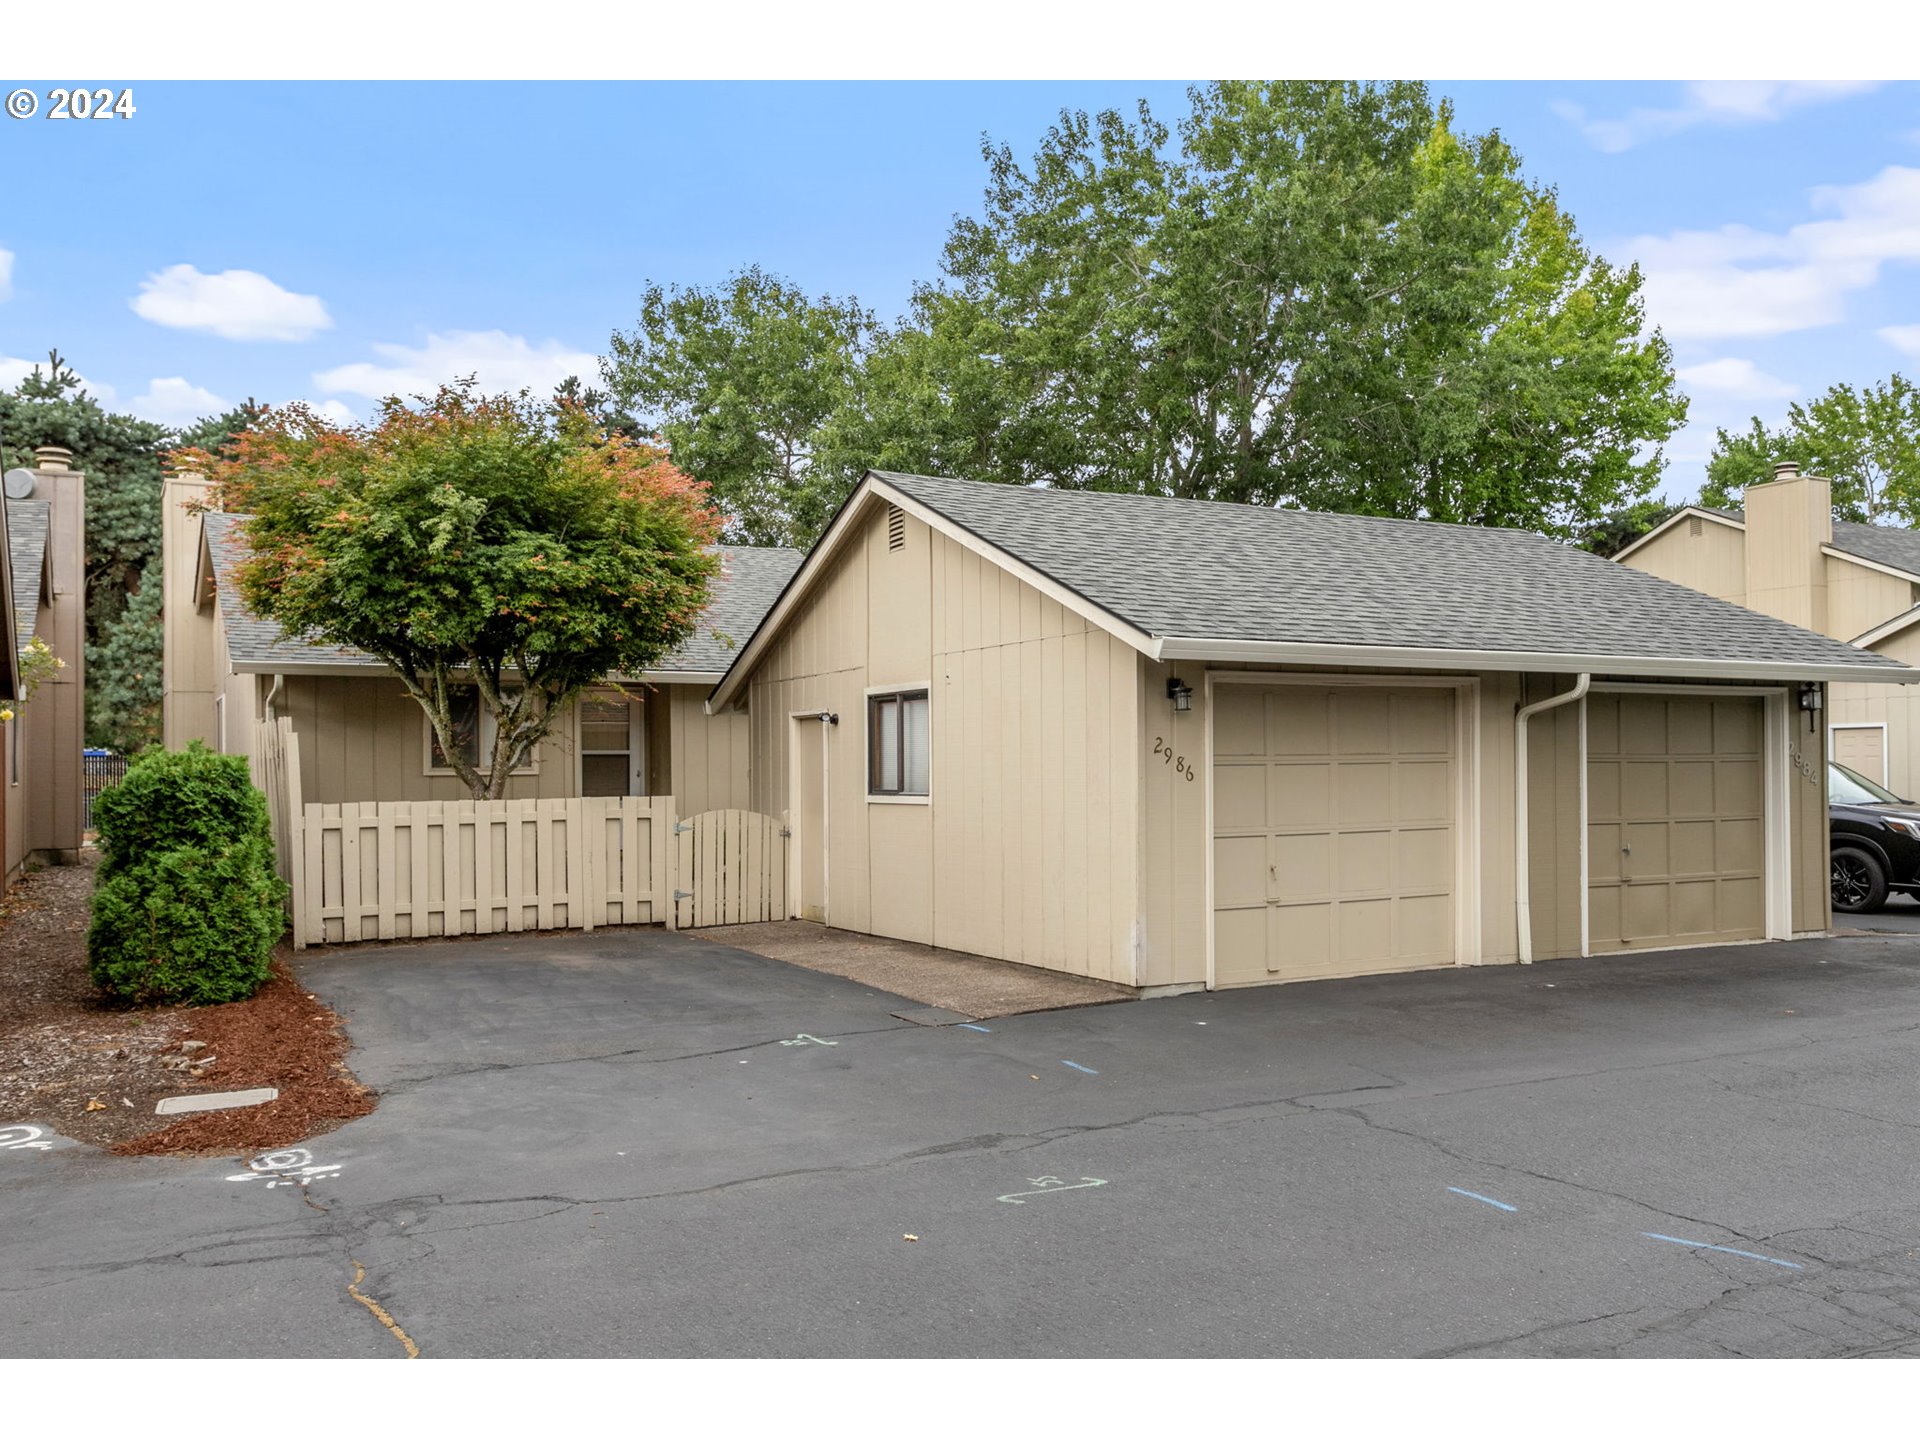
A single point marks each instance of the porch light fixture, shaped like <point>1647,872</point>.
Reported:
<point>1180,693</point>
<point>1812,700</point>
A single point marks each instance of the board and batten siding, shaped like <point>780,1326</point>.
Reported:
<point>1859,597</point>
<point>1027,848</point>
<point>709,754</point>
<point>1701,554</point>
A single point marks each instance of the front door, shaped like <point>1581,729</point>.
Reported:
<point>807,757</point>
<point>613,761</point>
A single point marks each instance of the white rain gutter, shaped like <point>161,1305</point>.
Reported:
<point>1522,877</point>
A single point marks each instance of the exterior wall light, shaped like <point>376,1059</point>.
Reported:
<point>1180,693</point>
<point>1812,700</point>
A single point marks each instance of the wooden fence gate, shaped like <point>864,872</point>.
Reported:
<point>730,868</point>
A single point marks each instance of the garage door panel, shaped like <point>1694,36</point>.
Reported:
<point>1300,797</point>
<point>1423,929</point>
<point>1695,848</point>
<point>1423,861</point>
<point>1239,722</point>
<point>1363,792</point>
<point>1737,786</point>
<point>1643,790</point>
<point>1297,725</point>
<point>1677,851</point>
<point>1737,726</point>
<point>1423,723</point>
<point>1240,794</point>
<point>1302,866</point>
<point>1690,787</point>
<point>1862,749</point>
<point>1348,852</point>
<point>1362,722</point>
<point>1240,946</point>
<point>1240,869</point>
<point>1423,791</point>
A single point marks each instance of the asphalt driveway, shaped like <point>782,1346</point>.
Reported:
<point>634,1143</point>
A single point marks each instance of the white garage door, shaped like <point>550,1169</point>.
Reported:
<point>1334,831</point>
<point>1676,830</point>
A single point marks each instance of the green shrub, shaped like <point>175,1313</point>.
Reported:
<point>187,926</point>
<point>186,906</point>
<point>171,799</point>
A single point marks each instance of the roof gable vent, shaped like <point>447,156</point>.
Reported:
<point>896,528</point>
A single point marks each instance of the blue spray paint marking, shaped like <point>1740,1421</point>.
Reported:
<point>1081,1068</point>
<point>1723,1249</point>
<point>981,1028</point>
<point>1484,1199</point>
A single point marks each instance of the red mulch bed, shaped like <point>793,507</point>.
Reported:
<point>94,1071</point>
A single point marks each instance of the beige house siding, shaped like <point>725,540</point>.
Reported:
<point>190,661</point>
<point>1859,597</point>
<point>1699,553</point>
<point>45,808</point>
<point>1556,873</point>
<point>709,754</point>
<point>1895,706</point>
<point>1026,848</point>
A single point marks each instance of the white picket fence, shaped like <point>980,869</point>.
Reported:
<point>409,869</point>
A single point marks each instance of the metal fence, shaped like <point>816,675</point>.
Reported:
<point>99,769</point>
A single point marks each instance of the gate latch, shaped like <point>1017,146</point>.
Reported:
<point>683,895</point>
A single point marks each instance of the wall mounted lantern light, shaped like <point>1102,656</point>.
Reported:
<point>1180,693</point>
<point>1812,700</point>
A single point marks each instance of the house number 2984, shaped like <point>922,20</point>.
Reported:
<point>1167,757</point>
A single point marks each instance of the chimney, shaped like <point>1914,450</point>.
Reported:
<point>53,457</point>
<point>1789,519</point>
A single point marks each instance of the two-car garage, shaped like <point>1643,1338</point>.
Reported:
<point>1346,840</point>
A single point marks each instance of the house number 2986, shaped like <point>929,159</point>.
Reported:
<point>1167,757</point>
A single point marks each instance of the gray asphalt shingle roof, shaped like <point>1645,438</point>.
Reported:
<point>26,557</point>
<point>1216,571</point>
<point>751,578</point>
<point>1885,544</point>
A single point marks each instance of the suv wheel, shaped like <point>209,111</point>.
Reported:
<point>1859,882</point>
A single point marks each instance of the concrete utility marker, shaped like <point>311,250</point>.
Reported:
<point>286,1167</point>
<point>1724,1250</point>
<point>219,1100</point>
<point>1047,1185</point>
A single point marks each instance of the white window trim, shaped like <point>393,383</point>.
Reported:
<point>636,743</point>
<point>488,729</point>
<point>905,687</point>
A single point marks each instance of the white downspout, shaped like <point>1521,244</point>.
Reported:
<point>1522,879</point>
<point>273,694</point>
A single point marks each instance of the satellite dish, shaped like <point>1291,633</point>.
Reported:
<point>19,484</point>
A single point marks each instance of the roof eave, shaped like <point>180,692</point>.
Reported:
<point>1867,563</point>
<point>1287,652</point>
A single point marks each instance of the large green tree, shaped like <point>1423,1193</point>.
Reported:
<point>1866,441</point>
<point>1314,294</point>
<point>739,381</point>
<point>122,459</point>
<point>498,554</point>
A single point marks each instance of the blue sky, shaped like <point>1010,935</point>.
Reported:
<point>335,242</point>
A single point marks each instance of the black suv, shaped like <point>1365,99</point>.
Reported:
<point>1875,837</point>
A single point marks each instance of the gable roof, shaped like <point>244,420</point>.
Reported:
<point>27,522</point>
<point>750,578</point>
<point>1892,546</point>
<point>1194,579</point>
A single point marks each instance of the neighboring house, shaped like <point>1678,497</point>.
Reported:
<point>45,535</point>
<point>1785,555</point>
<point>1175,743</point>
<point>362,737</point>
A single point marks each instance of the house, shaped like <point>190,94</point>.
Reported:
<point>41,810</point>
<point>363,738</point>
<point>1176,743</point>
<point>1784,554</point>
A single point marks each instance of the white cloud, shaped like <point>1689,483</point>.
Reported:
<point>1735,379</point>
<point>6,274</point>
<point>13,370</point>
<point>1904,338</point>
<point>500,361</point>
<point>335,413</point>
<point>1738,281</point>
<point>235,305</point>
<point>174,401</point>
<point>1708,102</point>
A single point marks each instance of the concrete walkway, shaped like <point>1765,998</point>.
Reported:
<point>970,985</point>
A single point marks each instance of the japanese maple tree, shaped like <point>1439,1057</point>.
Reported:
<point>495,542</point>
